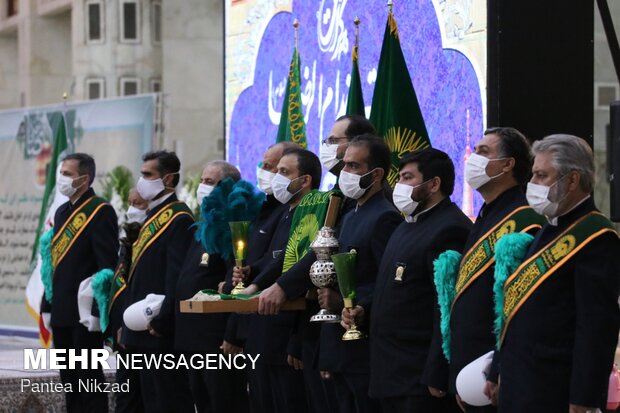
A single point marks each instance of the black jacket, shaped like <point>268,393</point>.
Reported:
<point>158,272</point>
<point>366,229</point>
<point>560,345</point>
<point>472,317</point>
<point>199,332</point>
<point>269,335</point>
<point>405,316</point>
<point>94,250</point>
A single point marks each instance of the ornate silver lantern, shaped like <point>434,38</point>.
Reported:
<point>322,272</point>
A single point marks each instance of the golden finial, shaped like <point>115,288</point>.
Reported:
<point>296,26</point>
<point>357,30</point>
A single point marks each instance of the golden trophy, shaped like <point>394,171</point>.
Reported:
<point>239,231</point>
<point>345,271</point>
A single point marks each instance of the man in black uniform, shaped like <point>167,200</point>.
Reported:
<point>498,170</point>
<point>403,313</point>
<point>366,229</point>
<point>85,244</point>
<point>279,387</point>
<point>262,231</point>
<point>126,402</point>
<point>212,390</point>
<point>158,256</point>
<point>561,305</point>
<point>333,147</point>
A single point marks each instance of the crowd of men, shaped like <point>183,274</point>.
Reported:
<point>426,280</point>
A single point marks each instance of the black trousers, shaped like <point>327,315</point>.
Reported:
<point>481,409</point>
<point>219,391</point>
<point>165,391</point>
<point>130,402</point>
<point>419,404</point>
<point>78,337</point>
<point>352,393</point>
<point>276,388</point>
<point>321,393</point>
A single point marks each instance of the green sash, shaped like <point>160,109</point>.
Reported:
<point>73,228</point>
<point>309,217</point>
<point>482,255</point>
<point>153,228</point>
<point>118,283</point>
<point>531,273</point>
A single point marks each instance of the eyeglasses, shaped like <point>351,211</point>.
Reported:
<point>334,140</point>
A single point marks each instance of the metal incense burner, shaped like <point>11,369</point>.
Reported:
<point>323,272</point>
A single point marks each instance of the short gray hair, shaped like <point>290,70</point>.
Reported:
<point>569,153</point>
<point>228,170</point>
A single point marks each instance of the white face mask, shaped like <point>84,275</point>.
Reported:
<point>65,185</point>
<point>280,184</point>
<point>202,192</point>
<point>264,178</point>
<point>350,184</point>
<point>149,189</point>
<point>475,170</point>
<point>328,154</point>
<point>538,198</point>
<point>402,197</point>
<point>135,214</point>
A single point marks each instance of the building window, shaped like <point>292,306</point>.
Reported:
<point>604,94</point>
<point>95,88</point>
<point>130,21</point>
<point>155,85</point>
<point>94,21</point>
<point>156,22</point>
<point>12,8</point>
<point>130,86</point>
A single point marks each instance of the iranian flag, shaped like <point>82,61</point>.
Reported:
<point>52,199</point>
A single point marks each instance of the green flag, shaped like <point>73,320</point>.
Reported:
<point>308,219</point>
<point>292,126</point>
<point>355,100</point>
<point>59,150</point>
<point>395,111</point>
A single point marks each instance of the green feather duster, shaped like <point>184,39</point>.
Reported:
<point>446,270</point>
<point>510,251</point>
<point>229,201</point>
<point>101,284</point>
<point>47,270</point>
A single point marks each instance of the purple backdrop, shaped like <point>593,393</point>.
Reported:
<point>444,79</point>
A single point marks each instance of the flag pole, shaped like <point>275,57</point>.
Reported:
<point>296,26</point>
<point>357,30</point>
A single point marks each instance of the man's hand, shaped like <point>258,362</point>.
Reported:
<point>294,362</point>
<point>119,333</point>
<point>249,290</point>
<point>220,287</point>
<point>460,402</point>
<point>352,316</point>
<point>230,349</point>
<point>574,408</point>
<point>491,390</point>
<point>329,299</point>
<point>270,300</point>
<point>240,274</point>
<point>152,331</point>
<point>436,392</point>
<point>326,375</point>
